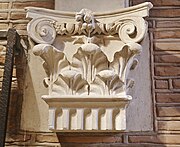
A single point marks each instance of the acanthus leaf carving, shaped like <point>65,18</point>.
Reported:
<point>104,47</point>
<point>54,62</point>
<point>123,59</point>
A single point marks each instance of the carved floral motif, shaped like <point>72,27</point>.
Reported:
<point>88,55</point>
<point>90,72</point>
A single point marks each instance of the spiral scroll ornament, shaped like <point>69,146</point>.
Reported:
<point>132,29</point>
<point>41,30</point>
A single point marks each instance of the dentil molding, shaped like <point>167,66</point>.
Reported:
<point>87,57</point>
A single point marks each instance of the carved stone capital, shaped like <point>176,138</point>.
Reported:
<point>87,57</point>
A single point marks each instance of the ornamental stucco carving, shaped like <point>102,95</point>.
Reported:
<point>87,57</point>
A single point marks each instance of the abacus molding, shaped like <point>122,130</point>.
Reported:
<point>87,113</point>
<point>87,57</point>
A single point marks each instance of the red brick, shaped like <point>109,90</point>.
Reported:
<point>166,12</point>
<point>160,97</point>
<point>165,2</point>
<point>18,15</point>
<point>18,137</point>
<point>166,34</point>
<point>171,139</point>
<point>176,83</point>
<point>2,48</point>
<point>47,138</point>
<point>43,4</point>
<point>172,46</point>
<point>143,139</point>
<point>168,24</point>
<point>173,58</point>
<point>20,26</point>
<point>14,97</point>
<point>90,139</point>
<point>14,85</point>
<point>136,2</point>
<point>4,5</point>
<point>161,84</point>
<point>168,97</point>
<point>169,125</point>
<point>11,123</point>
<point>3,26</point>
<point>14,112</point>
<point>3,16</point>
<point>167,71</point>
<point>150,23</point>
<point>14,72</point>
<point>77,139</point>
<point>1,79</point>
<point>1,72</point>
<point>2,60</point>
<point>168,111</point>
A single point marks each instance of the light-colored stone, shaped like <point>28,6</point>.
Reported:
<point>141,93</point>
<point>94,5</point>
<point>87,57</point>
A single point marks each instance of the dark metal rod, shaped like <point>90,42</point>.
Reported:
<point>6,83</point>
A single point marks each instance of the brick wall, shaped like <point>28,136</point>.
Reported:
<point>164,30</point>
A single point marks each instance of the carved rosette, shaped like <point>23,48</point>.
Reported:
<point>87,58</point>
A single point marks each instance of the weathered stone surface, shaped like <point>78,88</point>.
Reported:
<point>94,5</point>
<point>78,54</point>
<point>165,22</point>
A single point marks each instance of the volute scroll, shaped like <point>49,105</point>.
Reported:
<point>87,58</point>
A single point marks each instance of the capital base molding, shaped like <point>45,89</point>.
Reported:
<point>87,57</point>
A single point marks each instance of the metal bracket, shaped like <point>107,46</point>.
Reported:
<point>13,46</point>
